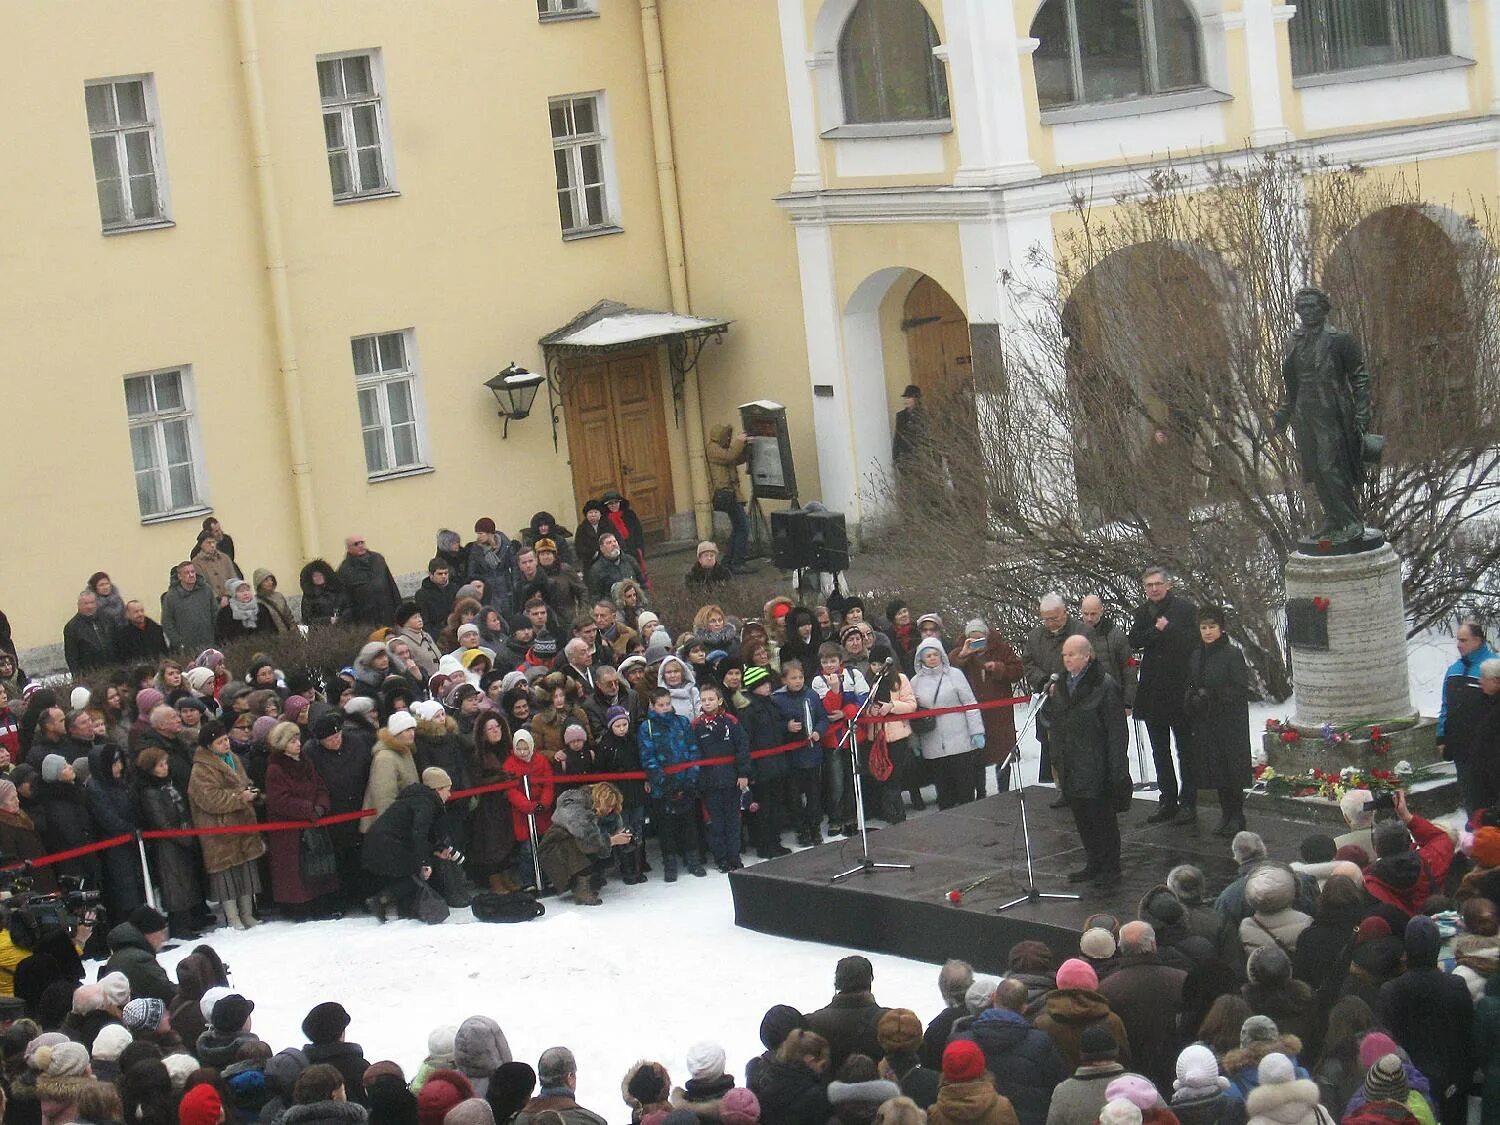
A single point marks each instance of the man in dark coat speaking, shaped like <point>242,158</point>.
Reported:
<point>1090,745</point>
<point>1327,404</point>
<point>1164,631</point>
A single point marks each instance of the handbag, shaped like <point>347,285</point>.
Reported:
<point>428,906</point>
<point>315,855</point>
<point>926,724</point>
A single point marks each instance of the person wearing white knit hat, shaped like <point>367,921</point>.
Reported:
<point>1120,1112</point>
<point>1198,1092</point>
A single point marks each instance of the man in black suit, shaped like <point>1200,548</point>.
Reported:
<point>1165,632</point>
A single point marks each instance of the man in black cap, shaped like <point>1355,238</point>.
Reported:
<point>133,946</point>
<point>911,427</point>
<point>324,1027</point>
<point>851,1020</point>
<point>344,765</point>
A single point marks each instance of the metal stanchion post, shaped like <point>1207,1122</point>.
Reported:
<point>145,871</point>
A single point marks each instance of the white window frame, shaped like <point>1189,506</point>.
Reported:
<point>556,11</point>
<point>119,134</point>
<point>345,108</point>
<point>379,382</point>
<point>574,144</point>
<point>154,422</point>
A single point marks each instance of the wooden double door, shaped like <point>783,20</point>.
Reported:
<point>617,434</point>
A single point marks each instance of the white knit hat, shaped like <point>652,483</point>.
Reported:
<point>705,1060</point>
<point>980,994</point>
<point>1275,1069</point>
<point>401,722</point>
<point>79,698</point>
<point>111,1042</point>
<point>116,988</point>
<point>1198,1070</point>
<point>428,710</point>
<point>440,1041</point>
<point>1120,1112</point>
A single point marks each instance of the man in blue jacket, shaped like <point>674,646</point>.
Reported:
<point>1022,1059</point>
<point>1463,708</point>
<point>805,718</point>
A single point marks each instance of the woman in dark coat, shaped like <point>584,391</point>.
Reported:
<point>63,817</point>
<point>992,668</point>
<point>321,591</point>
<point>294,791</point>
<point>1218,709</point>
<point>110,804</point>
<point>19,838</point>
<point>491,839</point>
<point>438,745</point>
<point>800,645</point>
<point>586,539</point>
<point>161,806</point>
<point>403,842</point>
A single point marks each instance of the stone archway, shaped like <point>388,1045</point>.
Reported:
<point>1146,352</point>
<point>1397,283</point>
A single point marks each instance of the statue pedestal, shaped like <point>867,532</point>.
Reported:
<point>1346,626</point>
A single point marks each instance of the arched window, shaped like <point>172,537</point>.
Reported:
<point>1331,35</point>
<point>886,65</point>
<point>1105,50</point>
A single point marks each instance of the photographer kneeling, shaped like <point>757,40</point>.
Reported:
<point>405,839</point>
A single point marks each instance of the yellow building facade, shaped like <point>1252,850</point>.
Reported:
<point>263,254</point>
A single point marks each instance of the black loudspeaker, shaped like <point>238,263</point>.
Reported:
<point>830,541</point>
<point>790,544</point>
<point>809,540</point>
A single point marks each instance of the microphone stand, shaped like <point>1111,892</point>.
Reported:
<point>866,864</point>
<point>1032,895</point>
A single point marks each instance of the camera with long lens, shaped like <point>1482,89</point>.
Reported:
<point>69,906</point>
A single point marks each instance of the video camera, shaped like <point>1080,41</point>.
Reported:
<point>69,906</point>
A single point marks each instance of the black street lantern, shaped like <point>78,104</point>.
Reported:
<point>514,390</point>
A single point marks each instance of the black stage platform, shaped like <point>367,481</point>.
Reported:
<point>907,912</point>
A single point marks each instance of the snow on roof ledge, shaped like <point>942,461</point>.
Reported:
<point>610,324</point>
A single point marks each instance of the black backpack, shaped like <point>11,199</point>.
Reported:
<point>514,907</point>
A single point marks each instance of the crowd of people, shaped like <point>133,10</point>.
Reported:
<point>1359,983</point>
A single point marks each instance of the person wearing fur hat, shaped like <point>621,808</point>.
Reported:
<point>1271,892</point>
<point>325,1027</point>
<point>967,1094</point>
<point>1281,1098</point>
<point>393,769</point>
<point>1259,1036</point>
<point>992,668</point>
<point>1079,1099</point>
<point>647,1090</point>
<point>220,795</point>
<point>401,845</point>
<point>1076,1005</point>
<point>899,1033</point>
<point>1430,1014</point>
<point>295,790</point>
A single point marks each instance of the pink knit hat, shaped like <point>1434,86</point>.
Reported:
<point>147,698</point>
<point>1374,1047</point>
<point>1135,1089</point>
<point>1076,973</point>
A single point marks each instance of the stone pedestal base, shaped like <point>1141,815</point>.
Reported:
<point>1415,744</point>
<point>1349,646</point>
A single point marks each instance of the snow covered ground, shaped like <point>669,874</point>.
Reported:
<point>648,974</point>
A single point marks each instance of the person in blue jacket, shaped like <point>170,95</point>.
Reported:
<point>667,739</point>
<point>1463,708</point>
<point>805,718</point>
<point>720,735</point>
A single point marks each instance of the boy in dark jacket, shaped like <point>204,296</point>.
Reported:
<point>766,728</point>
<point>803,717</point>
<point>667,739</point>
<point>720,735</point>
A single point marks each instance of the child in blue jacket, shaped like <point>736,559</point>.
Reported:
<point>805,718</point>
<point>720,735</point>
<point>667,739</point>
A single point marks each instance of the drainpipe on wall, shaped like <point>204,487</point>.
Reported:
<point>276,277</point>
<point>671,230</point>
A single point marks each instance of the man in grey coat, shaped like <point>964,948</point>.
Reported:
<point>1111,646</point>
<point>187,610</point>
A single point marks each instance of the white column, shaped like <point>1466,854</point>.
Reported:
<point>807,172</point>
<point>983,53</point>
<point>1262,35</point>
<point>1492,22</point>
<point>837,467</point>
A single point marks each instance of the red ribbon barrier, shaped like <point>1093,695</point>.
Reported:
<point>496,787</point>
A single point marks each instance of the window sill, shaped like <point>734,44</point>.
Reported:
<point>1385,70</point>
<point>889,129</point>
<point>566,17</point>
<point>193,513</point>
<point>132,228</point>
<point>591,232</point>
<point>398,474</point>
<point>365,197</point>
<point>1133,107</point>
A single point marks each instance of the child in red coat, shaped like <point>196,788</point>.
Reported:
<point>533,794</point>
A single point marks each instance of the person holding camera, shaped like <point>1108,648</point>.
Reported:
<point>220,795</point>
<point>1218,714</point>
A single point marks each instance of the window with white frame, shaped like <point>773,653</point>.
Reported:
<point>1093,51</point>
<point>386,381</point>
<point>1334,35</point>
<point>123,134</point>
<point>554,8</point>
<point>163,442</point>
<point>579,155</point>
<point>354,126</point>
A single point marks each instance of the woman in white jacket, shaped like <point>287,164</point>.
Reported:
<point>950,745</point>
